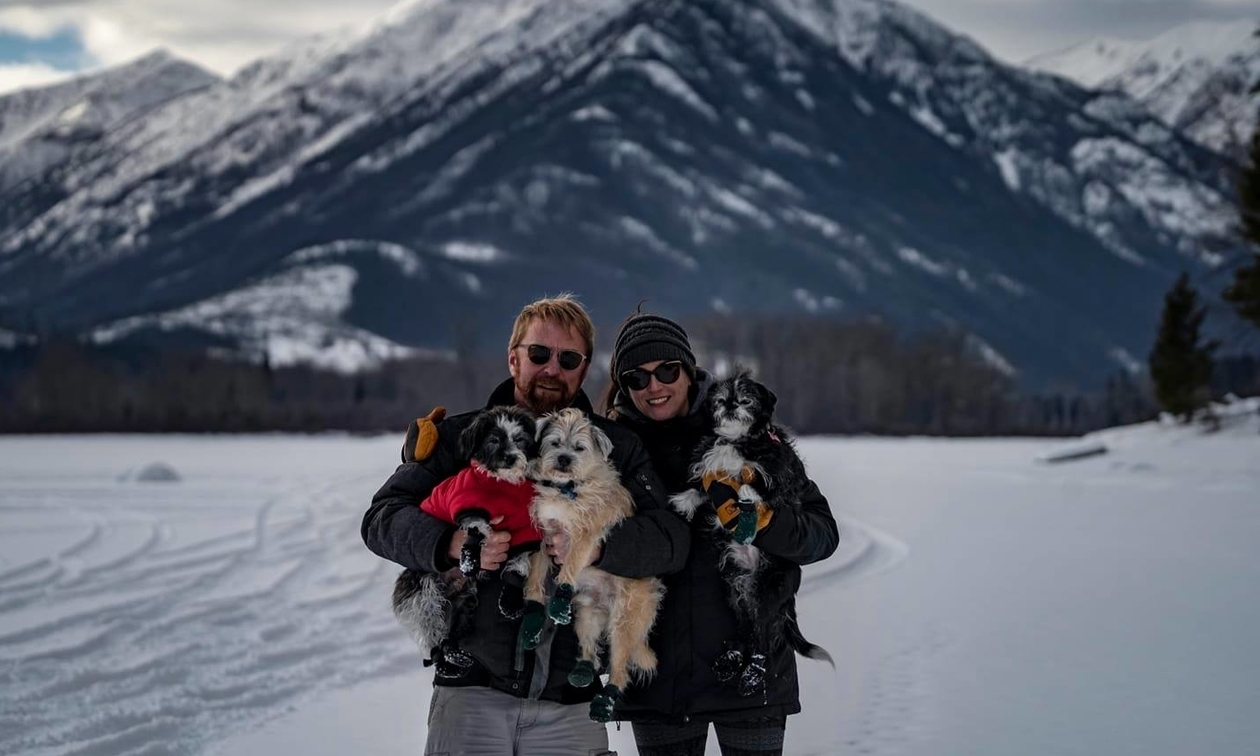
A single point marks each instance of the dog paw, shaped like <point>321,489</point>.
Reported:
<point>450,662</point>
<point>583,674</point>
<point>455,656</point>
<point>560,608</point>
<point>470,553</point>
<point>604,702</point>
<point>728,665</point>
<point>745,528</point>
<point>511,601</point>
<point>532,625</point>
<point>752,678</point>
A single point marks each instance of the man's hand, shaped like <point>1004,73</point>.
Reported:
<point>493,550</point>
<point>557,547</point>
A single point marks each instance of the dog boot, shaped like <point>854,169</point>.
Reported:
<point>450,662</point>
<point>511,599</point>
<point>453,655</point>
<point>729,663</point>
<point>746,523</point>
<point>560,609</point>
<point>583,674</point>
<point>532,623</point>
<point>470,553</point>
<point>602,704</point>
<point>752,679</point>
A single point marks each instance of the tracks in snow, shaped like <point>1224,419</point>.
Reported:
<point>181,612</point>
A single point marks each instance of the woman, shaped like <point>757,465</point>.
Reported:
<point>657,390</point>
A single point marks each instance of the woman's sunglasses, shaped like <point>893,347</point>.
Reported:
<point>541,355</point>
<point>637,379</point>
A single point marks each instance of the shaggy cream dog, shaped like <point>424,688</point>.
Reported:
<point>578,493</point>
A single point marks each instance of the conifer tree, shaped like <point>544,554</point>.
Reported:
<point>1244,292</point>
<point>1181,366</point>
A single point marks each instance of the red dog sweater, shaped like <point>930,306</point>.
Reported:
<point>473,488</point>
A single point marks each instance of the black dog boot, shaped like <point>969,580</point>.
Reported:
<point>560,609</point>
<point>531,625</point>
<point>583,674</point>
<point>450,662</point>
<point>752,679</point>
<point>455,656</point>
<point>728,665</point>
<point>512,597</point>
<point>470,553</point>
<point>602,704</point>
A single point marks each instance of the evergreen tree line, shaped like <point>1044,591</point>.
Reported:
<point>1183,365</point>
<point>831,378</point>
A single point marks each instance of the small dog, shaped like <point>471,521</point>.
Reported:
<point>579,494</point>
<point>745,446</point>
<point>438,608</point>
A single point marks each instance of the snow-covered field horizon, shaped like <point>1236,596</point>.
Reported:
<point>982,602</point>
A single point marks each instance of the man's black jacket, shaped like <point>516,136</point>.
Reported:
<point>652,542</point>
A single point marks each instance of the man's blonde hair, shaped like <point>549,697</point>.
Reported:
<point>564,310</point>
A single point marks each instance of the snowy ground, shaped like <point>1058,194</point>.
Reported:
<point>982,603</point>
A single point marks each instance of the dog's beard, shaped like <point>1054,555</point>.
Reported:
<point>733,425</point>
<point>511,469</point>
<point>545,394</point>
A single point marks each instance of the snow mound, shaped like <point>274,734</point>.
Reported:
<point>154,472</point>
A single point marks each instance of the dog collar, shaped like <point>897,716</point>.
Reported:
<point>568,489</point>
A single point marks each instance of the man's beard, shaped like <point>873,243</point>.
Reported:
<point>542,401</point>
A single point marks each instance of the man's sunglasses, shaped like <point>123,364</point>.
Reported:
<point>637,379</point>
<point>541,355</point>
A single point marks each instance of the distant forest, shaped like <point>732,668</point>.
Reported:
<point>843,378</point>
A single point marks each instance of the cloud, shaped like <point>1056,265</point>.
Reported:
<point>1016,30</point>
<point>14,76</point>
<point>221,35</point>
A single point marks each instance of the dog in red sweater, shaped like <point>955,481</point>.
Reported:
<point>437,608</point>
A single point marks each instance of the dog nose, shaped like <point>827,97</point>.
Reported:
<point>563,461</point>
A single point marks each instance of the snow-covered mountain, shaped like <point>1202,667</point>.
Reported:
<point>41,128</point>
<point>1195,77</point>
<point>462,156</point>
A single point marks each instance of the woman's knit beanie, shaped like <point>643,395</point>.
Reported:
<point>647,338</point>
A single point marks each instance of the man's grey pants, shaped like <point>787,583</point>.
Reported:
<point>486,722</point>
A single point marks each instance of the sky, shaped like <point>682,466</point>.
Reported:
<point>45,40</point>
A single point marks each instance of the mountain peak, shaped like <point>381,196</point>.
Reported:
<point>1195,77</point>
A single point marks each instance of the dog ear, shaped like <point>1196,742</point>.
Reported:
<point>544,423</point>
<point>470,439</point>
<point>766,398</point>
<point>602,441</point>
<point>530,427</point>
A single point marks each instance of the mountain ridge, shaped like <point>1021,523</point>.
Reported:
<point>850,158</point>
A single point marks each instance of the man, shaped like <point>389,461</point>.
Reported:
<point>513,701</point>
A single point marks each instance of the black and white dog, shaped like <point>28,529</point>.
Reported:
<point>438,608</point>
<point>754,460</point>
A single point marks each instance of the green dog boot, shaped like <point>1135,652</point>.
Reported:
<point>531,625</point>
<point>746,528</point>
<point>560,609</point>
<point>583,674</point>
<point>603,703</point>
